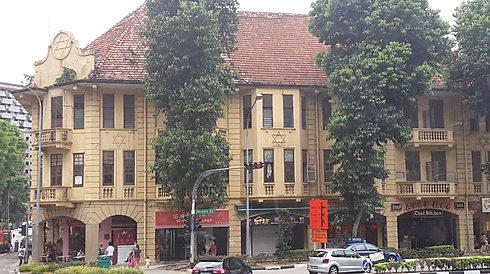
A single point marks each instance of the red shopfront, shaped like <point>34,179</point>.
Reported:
<point>173,244</point>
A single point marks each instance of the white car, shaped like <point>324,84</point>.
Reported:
<point>337,260</point>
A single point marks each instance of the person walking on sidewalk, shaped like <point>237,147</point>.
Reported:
<point>483,242</point>
<point>137,256</point>
<point>21,254</point>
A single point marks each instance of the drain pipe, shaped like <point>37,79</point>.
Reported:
<point>318,150</point>
<point>145,180</point>
<point>466,178</point>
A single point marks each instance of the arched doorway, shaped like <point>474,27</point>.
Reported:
<point>426,227</point>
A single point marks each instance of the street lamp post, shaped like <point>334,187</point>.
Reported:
<point>35,246</point>
<point>247,179</point>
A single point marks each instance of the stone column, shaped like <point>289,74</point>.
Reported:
<point>464,231</point>
<point>40,247</point>
<point>234,234</point>
<point>392,230</point>
<point>91,241</point>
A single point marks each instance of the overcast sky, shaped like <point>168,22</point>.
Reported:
<point>27,26</point>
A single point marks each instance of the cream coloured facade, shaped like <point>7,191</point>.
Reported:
<point>96,152</point>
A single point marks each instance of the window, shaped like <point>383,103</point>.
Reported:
<point>57,112</point>
<point>78,169</point>
<point>247,106</point>
<point>476,166</point>
<point>108,111</point>
<point>412,113</point>
<point>267,111</point>
<point>487,125</point>
<point>304,166</point>
<point>289,165</point>
<point>474,122</point>
<point>326,111</point>
<point>78,111</point>
<point>327,167</point>
<point>434,117</point>
<point>412,166</point>
<point>250,160</point>
<point>268,165</point>
<point>303,112</point>
<point>56,169</point>
<point>287,101</point>
<point>128,111</point>
<point>436,170</point>
<point>108,168</point>
<point>129,167</point>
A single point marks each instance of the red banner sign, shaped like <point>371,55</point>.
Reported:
<point>175,219</point>
<point>124,237</point>
<point>319,214</point>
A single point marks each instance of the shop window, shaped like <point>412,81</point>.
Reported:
<point>289,165</point>
<point>57,112</point>
<point>129,167</point>
<point>108,168</point>
<point>247,106</point>
<point>129,110</point>
<point>108,111</point>
<point>78,166</point>
<point>56,169</point>
<point>412,166</point>
<point>250,160</point>
<point>268,165</point>
<point>327,167</point>
<point>476,166</point>
<point>78,111</point>
<point>267,111</point>
<point>287,101</point>
<point>326,111</point>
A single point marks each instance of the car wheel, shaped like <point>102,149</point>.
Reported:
<point>369,269</point>
<point>333,270</point>
<point>391,259</point>
<point>311,272</point>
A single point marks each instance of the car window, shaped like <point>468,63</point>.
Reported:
<point>359,247</point>
<point>318,253</point>
<point>372,248</point>
<point>351,254</point>
<point>239,263</point>
<point>338,253</point>
<point>232,264</point>
<point>208,264</point>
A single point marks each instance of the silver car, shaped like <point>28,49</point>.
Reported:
<point>337,260</point>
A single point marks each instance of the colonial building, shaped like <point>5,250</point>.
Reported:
<point>96,152</point>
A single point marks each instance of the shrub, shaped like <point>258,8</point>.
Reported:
<point>381,267</point>
<point>28,267</point>
<point>40,269</point>
<point>297,255</point>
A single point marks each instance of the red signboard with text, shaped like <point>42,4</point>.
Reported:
<point>319,214</point>
<point>124,237</point>
<point>175,219</point>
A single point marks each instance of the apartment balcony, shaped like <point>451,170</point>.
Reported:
<point>420,190</point>
<point>432,137</point>
<point>161,195</point>
<point>54,138</point>
<point>54,196</point>
<point>127,192</point>
<point>328,193</point>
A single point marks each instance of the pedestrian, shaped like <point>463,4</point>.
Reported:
<point>483,242</point>
<point>101,249</point>
<point>21,254</point>
<point>137,256</point>
<point>212,249</point>
<point>147,263</point>
<point>110,252</point>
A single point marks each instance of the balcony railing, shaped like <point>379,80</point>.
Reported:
<point>57,137</point>
<point>432,136</point>
<point>327,191</point>
<point>58,196</point>
<point>427,189</point>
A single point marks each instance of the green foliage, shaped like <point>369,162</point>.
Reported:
<point>67,75</point>
<point>381,267</point>
<point>39,269</point>
<point>188,80</point>
<point>96,270</point>
<point>382,55</point>
<point>28,267</point>
<point>297,255</point>
<point>285,230</point>
<point>429,252</point>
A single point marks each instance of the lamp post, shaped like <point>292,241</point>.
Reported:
<point>247,179</point>
<point>35,254</point>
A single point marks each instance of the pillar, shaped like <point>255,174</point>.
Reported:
<point>91,243</point>
<point>392,230</point>
<point>235,239</point>
<point>40,247</point>
<point>65,237</point>
<point>464,231</point>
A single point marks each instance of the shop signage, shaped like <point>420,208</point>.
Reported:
<point>475,205</point>
<point>74,222</point>
<point>274,220</point>
<point>124,237</point>
<point>427,213</point>
<point>319,235</point>
<point>459,205</point>
<point>427,204</point>
<point>319,214</point>
<point>485,204</point>
<point>175,219</point>
<point>396,206</point>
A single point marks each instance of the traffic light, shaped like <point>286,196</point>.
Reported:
<point>254,165</point>
<point>187,223</point>
<point>197,225</point>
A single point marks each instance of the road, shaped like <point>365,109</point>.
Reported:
<point>8,262</point>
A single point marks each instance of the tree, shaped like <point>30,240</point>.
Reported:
<point>470,70</point>
<point>285,230</point>
<point>381,55</point>
<point>67,75</point>
<point>188,80</point>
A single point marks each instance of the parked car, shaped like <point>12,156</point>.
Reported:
<point>215,265</point>
<point>337,260</point>
<point>376,254</point>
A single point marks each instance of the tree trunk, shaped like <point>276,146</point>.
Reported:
<point>357,220</point>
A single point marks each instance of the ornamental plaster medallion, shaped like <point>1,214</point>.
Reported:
<point>483,141</point>
<point>118,139</point>
<point>278,138</point>
<point>61,45</point>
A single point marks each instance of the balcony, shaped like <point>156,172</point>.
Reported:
<point>54,138</point>
<point>421,190</point>
<point>54,196</point>
<point>124,193</point>
<point>432,137</point>
<point>327,191</point>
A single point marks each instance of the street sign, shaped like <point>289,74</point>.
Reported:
<point>205,211</point>
<point>365,265</point>
<point>319,214</point>
<point>319,235</point>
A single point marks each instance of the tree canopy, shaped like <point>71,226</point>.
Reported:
<point>188,81</point>
<point>381,55</point>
